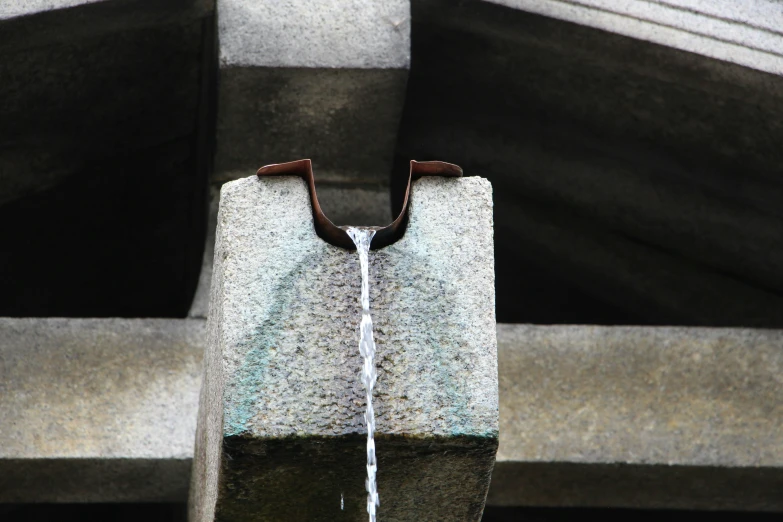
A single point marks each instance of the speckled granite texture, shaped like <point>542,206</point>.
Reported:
<point>281,433</point>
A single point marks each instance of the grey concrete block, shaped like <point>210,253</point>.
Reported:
<point>311,79</point>
<point>683,418</point>
<point>97,410</point>
<point>640,417</point>
<point>354,34</point>
<point>282,406</point>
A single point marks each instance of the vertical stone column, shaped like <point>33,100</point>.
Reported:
<point>281,434</point>
<point>318,79</point>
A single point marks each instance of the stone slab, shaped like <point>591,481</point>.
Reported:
<point>353,34</point>
<point>97,410</point>
<point>640,417</point>
<point>561,412</point>
<point>282,405</point>
<point>343,204</point>
<point>642,154</point>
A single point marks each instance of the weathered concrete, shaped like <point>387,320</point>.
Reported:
<point>280,428</point>
<point>626,417</point>
<point>317,79</point>
<point>640,417</point>
<point>360,205</point>
<point>97,410</point>
<point>332,34</point>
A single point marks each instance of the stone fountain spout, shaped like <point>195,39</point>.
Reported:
<point>281,433</point>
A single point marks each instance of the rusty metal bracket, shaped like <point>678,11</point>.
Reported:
<point>337,236</point>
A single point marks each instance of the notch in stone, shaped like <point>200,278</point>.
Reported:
<point>337,236</point>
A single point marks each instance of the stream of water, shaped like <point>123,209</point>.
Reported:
<point>362,238</point>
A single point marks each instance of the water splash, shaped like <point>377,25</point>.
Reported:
<point>361,238</point>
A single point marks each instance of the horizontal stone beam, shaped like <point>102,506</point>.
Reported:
<point>687,418</point>
<point>98,410</point>
<point>589,416</point>
<point>593,156</point>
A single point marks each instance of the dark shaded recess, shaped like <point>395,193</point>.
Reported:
<point>295,479</point>
<point>119,244</point>
<point>104,152</point>
<point>94,479</point>
<point>520,514</point>
<point>93,512</point>
<point>633,183</point>
<point>578,485</point>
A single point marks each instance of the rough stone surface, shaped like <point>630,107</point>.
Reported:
<point>97,410</point>
<point>584,420</point>
<point>640,417</point>
<point>282,406</point>
<point>364,34</point>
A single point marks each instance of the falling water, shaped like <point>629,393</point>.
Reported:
<point>362,238</point>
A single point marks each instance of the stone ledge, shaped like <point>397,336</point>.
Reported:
<point>97,410</point>
<point>371,34</point>
<point>640,417</point>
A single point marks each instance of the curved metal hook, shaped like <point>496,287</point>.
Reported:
<point>337,236</point>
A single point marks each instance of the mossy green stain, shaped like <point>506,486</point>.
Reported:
<point>249,378</point>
